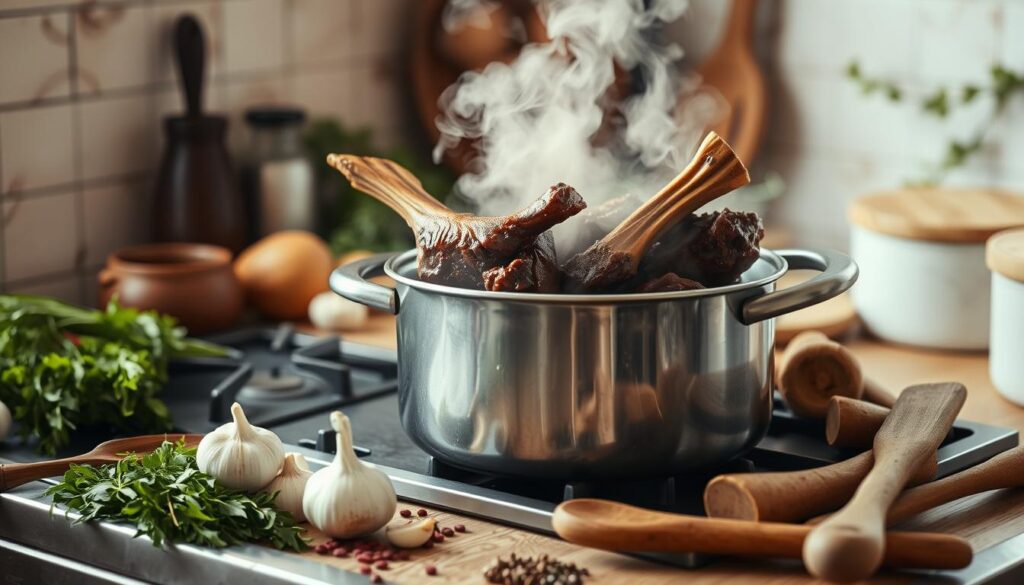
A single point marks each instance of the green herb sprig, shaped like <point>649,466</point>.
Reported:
<point>169,500</point>
<point>63,367</point>
<point>1003,84</point>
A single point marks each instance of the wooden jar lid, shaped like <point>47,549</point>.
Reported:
<point>1004,254</point>
<point>939,215</point>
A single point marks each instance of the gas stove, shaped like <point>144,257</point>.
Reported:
<point>289,381</point>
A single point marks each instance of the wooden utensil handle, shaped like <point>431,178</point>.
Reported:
<point>876,394</point>
<point>1005,470</point>
<point>792,496</point>
<point>853,423</point>
<point>14,474</point>
<point>813,369</point>
<point>619,527</point>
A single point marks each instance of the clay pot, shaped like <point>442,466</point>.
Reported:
<point>195,283</point>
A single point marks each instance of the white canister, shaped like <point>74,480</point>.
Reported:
<point>1005,256</point>
<point>921,253</point>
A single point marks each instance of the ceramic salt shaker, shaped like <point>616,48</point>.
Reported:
<point>921,252</point>
<point>1004,255</point>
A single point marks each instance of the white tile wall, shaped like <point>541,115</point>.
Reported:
<point>36,148</point>
<point>85,84</point>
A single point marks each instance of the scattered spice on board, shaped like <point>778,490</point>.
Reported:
<point>530,571</point>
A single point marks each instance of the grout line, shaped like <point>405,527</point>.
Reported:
<point>72,55</point>
<point>93,183</point>
<point>43,278</point>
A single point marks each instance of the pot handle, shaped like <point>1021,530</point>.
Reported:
<point>838,273</point>
<point>350,281</point>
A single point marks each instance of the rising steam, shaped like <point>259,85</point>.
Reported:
<point>542,118</point>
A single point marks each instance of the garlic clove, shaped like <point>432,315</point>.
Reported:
<point>240,455</point>
<point>290,485</point>
<point>410,533</point>
<point>348,497</point>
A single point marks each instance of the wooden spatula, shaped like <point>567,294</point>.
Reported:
<point>850,545</point>
<point>613,526</point>
<point>14,474</point>
<point>733,72</point>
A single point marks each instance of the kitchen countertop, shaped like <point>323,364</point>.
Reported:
<point>993,523</point>
<point>984,520</point>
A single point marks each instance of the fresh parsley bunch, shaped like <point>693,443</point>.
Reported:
<point>168,499</point>
<point>62,367</point>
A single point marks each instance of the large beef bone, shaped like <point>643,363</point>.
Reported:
<point>850,545</point>
<point>714,171</point>
<point>613,526</point>
<point>450,242</point>
<point>1003,471</point>
<point>793,496</point>
<point>813,368</point>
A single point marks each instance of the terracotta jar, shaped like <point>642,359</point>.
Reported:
<point>193,282</point>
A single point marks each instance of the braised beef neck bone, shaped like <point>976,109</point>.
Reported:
<point>713,248</point>
<point>714,171</point>
<point>670,282</point>
<point>534,269</point>
<point>457,248</point>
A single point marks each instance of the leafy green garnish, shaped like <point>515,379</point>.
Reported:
<point>168,499</point>
<point>63,367</point>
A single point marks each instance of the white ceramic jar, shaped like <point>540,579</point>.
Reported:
<point>921,253</point>
<point>1005,257</point>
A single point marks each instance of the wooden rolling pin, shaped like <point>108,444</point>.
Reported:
<point>618,527</point>
<point>850,545</point>
<point>813,369</point>
<point>14,474</point>
<point>853,423</point>
<point>793,496</point>
<point>1003,471</point>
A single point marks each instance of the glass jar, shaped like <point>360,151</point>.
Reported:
<point>278,179</point>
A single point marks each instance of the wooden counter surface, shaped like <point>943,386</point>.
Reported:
<point>983,520</point>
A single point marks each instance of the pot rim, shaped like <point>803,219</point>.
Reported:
<point>391,270</point>
<point>188,258</point>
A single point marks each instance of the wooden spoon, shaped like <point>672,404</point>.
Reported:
<point>14,474</point>
<point>1003,471</point>
<point>850,545</point>
<point>813,369</point>
<point>714,171</point>
<point>613,526</point>
<point>733,72</point>
<point>853,423</point>
<point>793,496</point>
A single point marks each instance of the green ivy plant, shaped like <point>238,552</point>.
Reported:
<point>1002,84</point>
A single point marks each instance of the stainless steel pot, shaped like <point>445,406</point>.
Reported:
<point>577,386</point>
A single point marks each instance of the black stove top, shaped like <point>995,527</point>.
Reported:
<point>289,382</point>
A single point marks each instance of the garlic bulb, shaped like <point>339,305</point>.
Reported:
<point>290,484</point>
<point>348,497</point>
<point>331,312</point>
<point>240,455</point>
<point>5,421</point>
<point>411,533</point>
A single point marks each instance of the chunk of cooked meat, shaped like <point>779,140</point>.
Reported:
<point>534,269</point>
<point>712,248</point>
<point>669,283</point>
<point>457,248</point>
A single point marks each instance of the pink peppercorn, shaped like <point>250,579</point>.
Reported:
<point>406,513</point>
<point>365,569</point>
<point>460,528</point>
<point>448,532</point>
<point>421,512</point>
<point>431,570</point>
<point>376,579</point>
<point>340,553</point>
<point>382,565</point>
